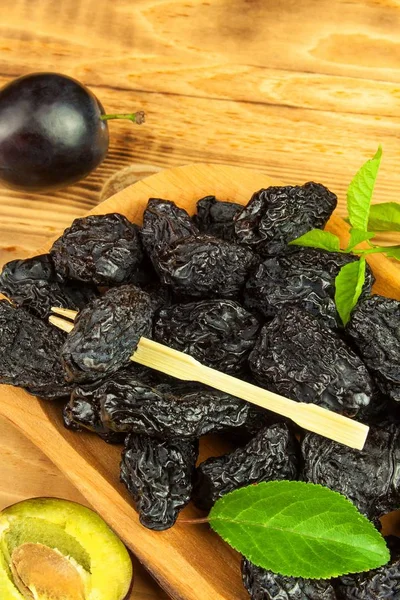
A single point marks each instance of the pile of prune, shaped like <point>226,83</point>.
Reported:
<point>224,286</point>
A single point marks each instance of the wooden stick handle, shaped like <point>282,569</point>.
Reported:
<point>309,416</point>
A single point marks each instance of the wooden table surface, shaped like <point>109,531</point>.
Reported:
<point>301,90</point>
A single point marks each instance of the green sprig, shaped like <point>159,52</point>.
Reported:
<point>365,220</point>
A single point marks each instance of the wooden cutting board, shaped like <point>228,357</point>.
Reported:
<point>189,561</point>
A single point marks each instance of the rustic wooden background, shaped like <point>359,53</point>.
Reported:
<point>301,90</point>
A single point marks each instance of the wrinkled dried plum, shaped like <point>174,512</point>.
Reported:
<point>370,478</point>
<point>218,333</point>
<point>30,353</point>
<point>34,285</point>
<point>106,333</point>
<point>83,412</point>
<point>374,328</point>
<point>205,266</point>
<point>100,249</point>
<point>306,278</point>
<point>275,216</point>
<point>270,455</point>
<point>158,474</point>
<point>216,218</point>
<point>265,585</point>
<point>299,357</point>
<point>131,405</point>
<point>164,223</point>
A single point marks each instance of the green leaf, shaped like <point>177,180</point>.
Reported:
<point>317,238</point>
<point>393,252</point>
<point>384,217</point>
<point>360,191</point>
<point>357,236</point>
<point>348,287</point>
<point>298,529</point>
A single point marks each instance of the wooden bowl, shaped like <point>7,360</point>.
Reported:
<point>188,561</point>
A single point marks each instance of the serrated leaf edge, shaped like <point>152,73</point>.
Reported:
<point>377,157</point>
<point>375,533</point>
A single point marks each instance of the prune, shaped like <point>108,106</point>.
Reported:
<point>216,218</point>
<point>100,249</point>
<point>265,585</point>
<point>270,455</point>
<point>378,584</point>
<point>158,474</point>
<point>374,328</point>
<point>30,353</point>
<point>83,412</point>
<point>299,357</point>
<point>277,215</point>
<point>163,224</point>
<point>106,333</point>
<point>370,478</point>
<point>129,404</point>
<point>34,285</point>
<point>218,333</point>
<point>306,278</point>
<point>204,266</point>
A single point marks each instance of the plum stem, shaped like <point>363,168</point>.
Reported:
<point>138,117</point>
<point>193,521</point>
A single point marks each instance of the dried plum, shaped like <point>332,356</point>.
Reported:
<point>106,333</point>
<point>158,474</point>
<point>370,478</point>
<point>218,333</point>
<point>30,353</point>
<point>216,218</point>
<point>374,328</point>
<point>185,411</point>
<point>306,278</point>
<point>299,357</point>
<point>270,455</point>
<point>164,223</point>
<point>100,249</point>
<point>265,585</point>
<point>83,412</point>
<point>204,266</point>
<point>34,285</point>
<point>275,216</point>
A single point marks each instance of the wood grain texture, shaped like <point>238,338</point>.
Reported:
<point>180,558</point>
<point>299,90</point>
